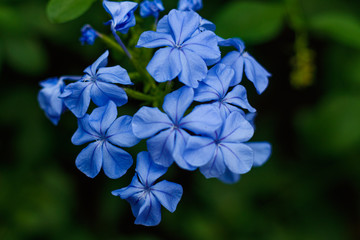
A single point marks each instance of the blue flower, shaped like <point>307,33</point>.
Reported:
<point>262,152</point>
<point>88,35</point>
<point>215,88</point>
<point>97,84</point>
<point>190,5</point>
<point>238,59</point>
<point>145,197</point>
<point>148,8</point>
<point>223,149</point>
<point>187,51</point>
<point>108,132</point>
<point>122,14</point>
<point>49,100</point>
<point>167,130</point>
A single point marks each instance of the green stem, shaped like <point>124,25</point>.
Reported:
<point>138,95</point>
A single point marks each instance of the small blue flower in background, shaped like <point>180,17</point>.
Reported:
<point>151,8</point>
<point>262,152</point>
<point>215,88</point>
<point>97,84</point>
<point>88,35</point>
<point>108,132</point>
<point>167,130</point>
<point>190,5</point>
<point>222,149</point>
<point>238,59</point>
<point>187,51</point>
<point>48,97</point>
<point>122,14</point>
<point>145,197</point>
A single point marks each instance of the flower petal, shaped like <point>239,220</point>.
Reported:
<point>84,133</point>
<point>120,132</point>
<point>205,45</point>
<point>238,157</point>
<point>115,161</point>
<point>236,61</point>
<point>89,160</point>
<point>100,62</point>
<point>238,97</point>
<point>147,170</point>
<point>115,74</point>
<point>103,92</point>
<point>215,167</point>
<point>151,39</point>
<point>165,64</point>
<point>150,212</point>
<point>204,119</point>
<point>236,129</point>
<point>256,73</point>
<point>161,147</point>
<point>148,121</point>
<point>128,192</point>
<point>181,138</point>
<point>193,68</point>
<point>102,117</point>
<point>176,103</point>
<point>77,97</point>
<point>168,194</point>
<point>199,150</point>
<point>262,152</point>
<point>229,177</point>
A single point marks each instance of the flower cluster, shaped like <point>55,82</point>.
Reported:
<point>205,121</point>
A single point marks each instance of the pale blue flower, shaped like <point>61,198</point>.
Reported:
<point>122,14</point>
<point>166,131</point>
<point>97,84</point>
<point>223,149</point>
<point>194,5</point>
<point>88,35</point>
<point>187,51</point>
<point>48,97</point>
<point>151,8</point>
<point>215,88</point>
<point>108,133</point>
<point>240,59</point>
<point>145,196</point>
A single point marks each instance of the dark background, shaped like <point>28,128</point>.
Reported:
<point>309,188</point>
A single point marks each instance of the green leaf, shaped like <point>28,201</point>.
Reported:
<point>341,27</point>
<point>254,22</point>
<point>25,55</point>
<point>60,11</point>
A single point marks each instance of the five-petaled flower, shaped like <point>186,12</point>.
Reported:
<point>215,88</point>
<point>122,14</point>
<point>187,51</point>
<point>145,196</point>
<point>238,59</point>
<point>97,84</point>
<point>108,132</point>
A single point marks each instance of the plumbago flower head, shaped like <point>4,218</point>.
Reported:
<point>146,197</point>
<point>187,51</point>
<point>108,132</point>
<point>205,121</point>
<point>97,84</point>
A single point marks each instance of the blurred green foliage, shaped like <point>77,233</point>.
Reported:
<point>309,189</point>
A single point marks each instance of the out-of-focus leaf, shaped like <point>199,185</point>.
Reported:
<point>60,11</point>
<point>341,27</point>
<point>254,22</point>
<point>333,126</point>
<point>9,20</point>
<point>25,55</point>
